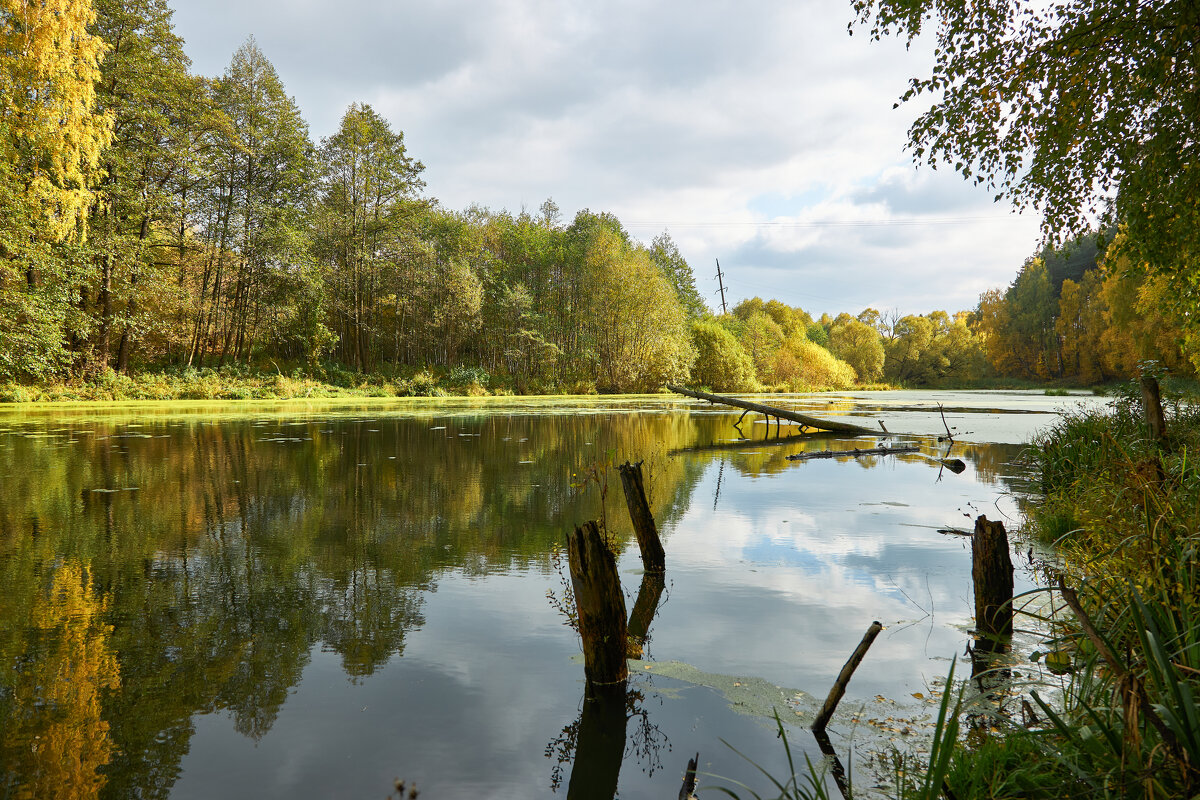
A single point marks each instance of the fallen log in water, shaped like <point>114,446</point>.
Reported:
<point>777,413</point>
<point>870,451</point>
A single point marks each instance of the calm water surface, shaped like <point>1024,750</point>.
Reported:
<point>309,601</point>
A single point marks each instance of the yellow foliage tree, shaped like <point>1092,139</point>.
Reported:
<point>49,131</point>
<point>804,365</point>
<point>641,332</point>
<point>1081,327</point>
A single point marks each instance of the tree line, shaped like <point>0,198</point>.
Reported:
<point>152,218</point>
<point>1087,314</point>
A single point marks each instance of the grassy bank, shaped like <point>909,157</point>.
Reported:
<point>272,381</point>
<point>1124,514</point>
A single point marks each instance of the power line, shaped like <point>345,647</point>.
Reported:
<point>721,283</point>
<point>822,224</point>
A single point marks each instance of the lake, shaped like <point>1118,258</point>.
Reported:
<point>310,600</point>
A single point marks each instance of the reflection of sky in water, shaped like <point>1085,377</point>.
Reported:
<point>776,576</point>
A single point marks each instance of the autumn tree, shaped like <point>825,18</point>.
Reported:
<point>859,345</point>
<point>52,135</point>
<point>1084,109</point>
<point>637,324</point>
<point>51,139</point>
<point>761,338</point>
<point>1081,326</point>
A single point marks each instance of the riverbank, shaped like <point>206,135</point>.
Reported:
<point>1123,512</point>
<point>270,382</point>
<point>278,382</point>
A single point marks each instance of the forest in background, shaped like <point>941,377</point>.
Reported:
<point>187,231</point>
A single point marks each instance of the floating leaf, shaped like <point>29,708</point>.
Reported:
<point>1058,662</point>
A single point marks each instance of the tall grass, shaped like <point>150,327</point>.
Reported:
<point>1125,515</point>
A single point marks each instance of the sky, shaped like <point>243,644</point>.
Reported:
<point>758,133</point>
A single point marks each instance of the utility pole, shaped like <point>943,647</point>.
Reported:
<point>721,283</point>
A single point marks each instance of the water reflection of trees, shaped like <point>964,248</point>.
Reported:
<point>56,742</point>
<point>219,555</point>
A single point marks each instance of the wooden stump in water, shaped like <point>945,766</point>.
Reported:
<point>599,604</point>
<point>653,558</point>
<point>1152,404</point>
<point>992,574</point>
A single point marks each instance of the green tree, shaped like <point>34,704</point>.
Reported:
<point>145,88</point>
<point>859,345</point>
<point>256,228</point>
<point>367,182</point>
<point>721,363</point>
<point>1081,108</point>
<point>666,256</point>
<point>35,302</point>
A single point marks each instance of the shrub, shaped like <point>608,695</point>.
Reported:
<point>804,364</point>
<point>721,363</point>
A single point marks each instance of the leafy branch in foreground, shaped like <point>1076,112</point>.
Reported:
<point>1085,109</point>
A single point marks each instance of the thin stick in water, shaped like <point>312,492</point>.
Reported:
<point>839,686</point>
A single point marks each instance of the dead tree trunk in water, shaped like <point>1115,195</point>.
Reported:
<point>1152,404</point>
<point>599,604</point>
<point>653,558</point>
<point>777,413</point>
<point>992,573</point>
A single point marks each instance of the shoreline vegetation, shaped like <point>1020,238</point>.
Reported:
<point>1122,510</point>
<point>273,383</point>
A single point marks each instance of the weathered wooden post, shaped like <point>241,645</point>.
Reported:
<point>653,558</point>
<point>992,574</point>
<point>1152,404</point>
<point>643,612</point>
<point>599,604</point>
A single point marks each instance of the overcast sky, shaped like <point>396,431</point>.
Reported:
<point>759,133</point>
